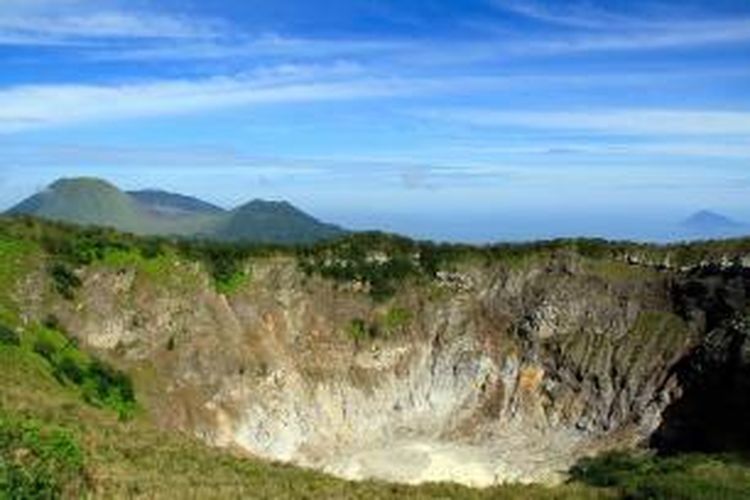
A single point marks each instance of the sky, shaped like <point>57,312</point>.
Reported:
<point>473,120</point>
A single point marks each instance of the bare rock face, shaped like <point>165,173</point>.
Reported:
<point>489,374</point>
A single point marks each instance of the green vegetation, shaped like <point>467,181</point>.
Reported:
<point>64,280</point>
<point>385,261</point>
<point>17,255</point>
<point>8,336</point>
<point>358,330</point>
<point>38,460</point>
<point>382,262</point>
<point>658,331</point>
<point>97,383</point>
<point>70,247</point>
<point>226,264</point>
<point>618,271</point>
<point>645,476</point>
<point>151,260</point>
<point>395,321</point>
<point>100,385</point>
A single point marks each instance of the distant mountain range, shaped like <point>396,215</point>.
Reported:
<point>90,201</point>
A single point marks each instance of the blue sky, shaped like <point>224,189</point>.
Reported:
<point>466,120</point>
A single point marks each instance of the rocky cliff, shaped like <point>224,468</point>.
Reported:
<point>488,372</point>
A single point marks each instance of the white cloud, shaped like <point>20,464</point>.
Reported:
<point>592,29</point>
<point>677,36</point>
<point>630,121</point>
<point>36,106</point>
<point>105,24</point>
<point>246,47</point>
<point>185,159</point>
<point>569,14</point>
<point>44,22</point>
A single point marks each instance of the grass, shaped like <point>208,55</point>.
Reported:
<point>158,267</point>
<point>64,280</point>
<point>394,321</point>
<point>645,476</point>
<point>8,336</point>
<point>16,259</point>
<point>382,261</point>
<point>658,331</point>
<point>233,282</point>
<point>58,355</point>
<point>617,271</point>
<point>38,460</point>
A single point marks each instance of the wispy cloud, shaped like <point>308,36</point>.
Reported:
<point>536,149</point>
<point>570,14</point>
<point>616,121</point>
<point>243,46</point>
<point>44,22</point>
<point>38,106</point>
<point>677,36</point>
<point>186,159</point>
<point>105,24</point>
<point>595,29</point>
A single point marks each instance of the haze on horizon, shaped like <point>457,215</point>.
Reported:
<point>480,120</point>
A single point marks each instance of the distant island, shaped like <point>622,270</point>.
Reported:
<point>710,222</point>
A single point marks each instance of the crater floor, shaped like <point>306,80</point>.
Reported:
<point>510,458</point>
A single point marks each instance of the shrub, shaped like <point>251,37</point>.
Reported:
<point>105,386</point>
<point>100,384</point>
<point>9,336</point>
<point>358,330</point>
<point>152,248</point>
<point>71,370</point>
<point>38,461</point>
<point>46,349</point>
<point>65,280</point>
<point>396,320</point>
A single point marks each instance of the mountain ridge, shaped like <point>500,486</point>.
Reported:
<point>169,203</point>
<point>93,201</point>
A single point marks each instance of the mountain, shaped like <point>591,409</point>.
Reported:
<point>85,201</point>
<point>168,204</point>
<point>274,222</point>
<point>709,223</point>
<point>89,201</point>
